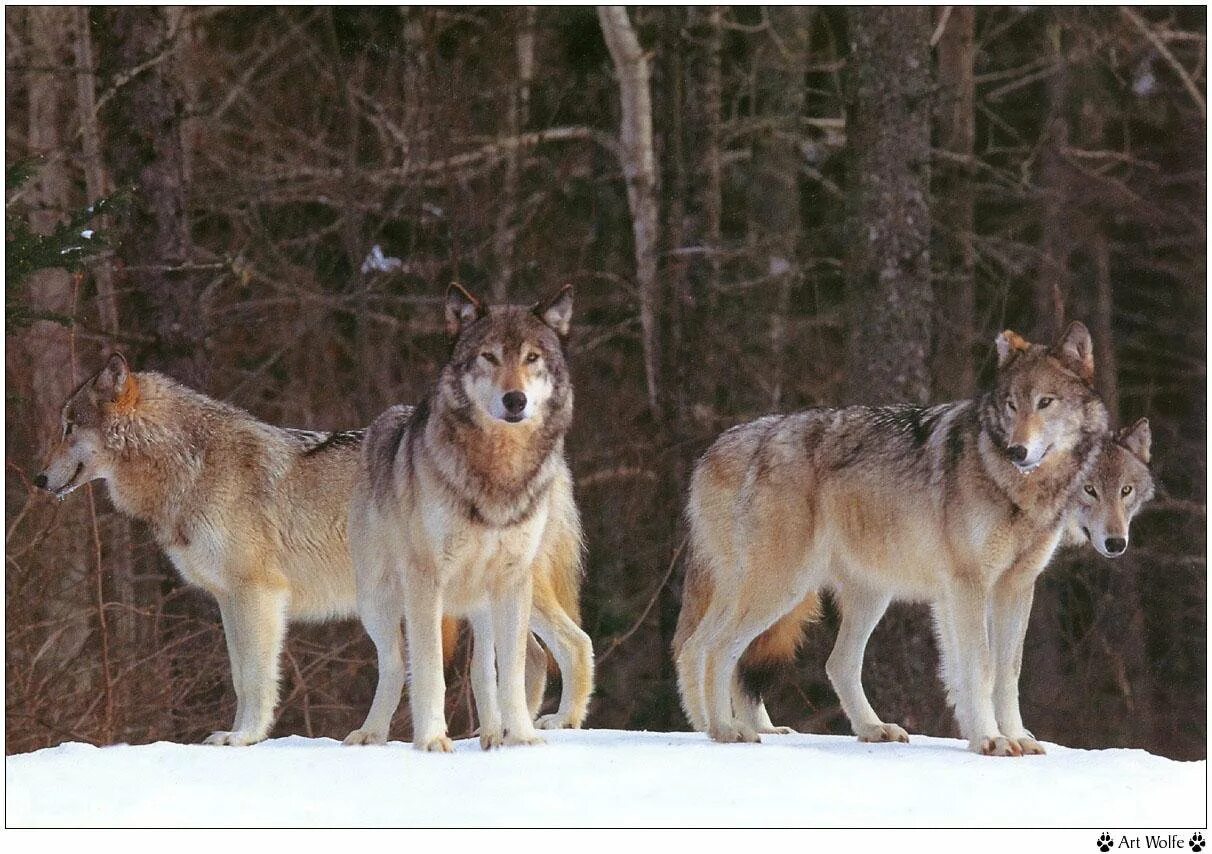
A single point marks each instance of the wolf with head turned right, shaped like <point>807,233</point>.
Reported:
<point>960,505</point>
<point>456,504</point>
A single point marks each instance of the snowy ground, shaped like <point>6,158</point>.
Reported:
<point>601,777</point>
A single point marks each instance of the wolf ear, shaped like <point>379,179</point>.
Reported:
<point>116,384</point>
<point>1009,343</point>
<point>1076,351</point>
<point>1138,439</point>
<point>461,309</point>
<point>556,310</point>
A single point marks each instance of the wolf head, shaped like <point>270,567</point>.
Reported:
<point>81,454</point>
<point>1115,490</point>
<point>508,361</point>
<point>1043,401</point>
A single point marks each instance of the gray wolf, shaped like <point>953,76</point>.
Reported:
<point>456,504</point>
<point>1119,485</point>
<point>960,505</point>
<point>255,515</point>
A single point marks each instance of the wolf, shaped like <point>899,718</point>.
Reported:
<point>960,505</point>
<point>255,515</point>
<point>1119,485</point>
<point>452,512</point>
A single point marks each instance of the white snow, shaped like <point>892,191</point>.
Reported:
<point>601,778</point>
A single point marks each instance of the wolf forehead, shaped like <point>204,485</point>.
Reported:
<point>509,327</point>
<point>1037,366</point>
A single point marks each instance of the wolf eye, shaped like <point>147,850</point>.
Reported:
<point>1126,491</point>
<point>1010,405</point>
<point>490,358</point>
<point>1091,491</point>
<point>67,429</point>
<point>1044,402</point>
<point>531,358</point>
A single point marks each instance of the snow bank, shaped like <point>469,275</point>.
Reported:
<point>601,777</point>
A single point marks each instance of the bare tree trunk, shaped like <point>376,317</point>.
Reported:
<point>955,204</point>
<point>1052,282</point>
<point>774,202</point>
<point>888,246</point>
<point>639,170</point>
<point>517,114</point>
<point>144,150</point>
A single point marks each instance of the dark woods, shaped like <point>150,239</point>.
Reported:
<point>759,208</point>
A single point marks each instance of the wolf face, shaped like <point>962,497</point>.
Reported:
<point>81,454</point>
<point>508,361</point>
<point>1041,396</point>
<point>1117,488</point>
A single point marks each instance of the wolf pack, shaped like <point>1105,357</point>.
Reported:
<point>461,507</point>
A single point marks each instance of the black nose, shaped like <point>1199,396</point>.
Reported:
<point>1116,545</point>
<point>515,402</point>
<point>40,481</point>
<point>1018,453</point>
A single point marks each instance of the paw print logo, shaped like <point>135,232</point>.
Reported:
<point>1197,843</point>
<point>1104,842</point>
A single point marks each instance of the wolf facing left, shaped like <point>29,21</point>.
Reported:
<point>256,515</point>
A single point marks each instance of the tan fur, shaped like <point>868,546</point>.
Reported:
<point>465,507</point>
<point>244,512</point>
<point>879,504</point>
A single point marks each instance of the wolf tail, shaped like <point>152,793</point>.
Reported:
<point>763,660</point>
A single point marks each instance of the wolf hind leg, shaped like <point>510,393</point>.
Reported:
<point>751,711</point>
<point>536,675</point>
<point>381,611</point>
<point>573,651</point>
<point>861,611</point>
<point>258,630</point>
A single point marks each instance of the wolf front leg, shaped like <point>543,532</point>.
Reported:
<point>967,605</point>
<point>426,682</point>
<point>861,611</point>
<point>1011,612</point>
<point>254,621</point>
<point>381,607</point>
<point>484,679</point>
<point>511,630</point>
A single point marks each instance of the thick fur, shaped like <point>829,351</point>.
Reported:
<point>458,508</point>
<point>255,515</point>
<point>960,505</point>
<point>1116,489</point>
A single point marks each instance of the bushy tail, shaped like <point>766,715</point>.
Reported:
<point>450,639</point>
<point>764,659</point>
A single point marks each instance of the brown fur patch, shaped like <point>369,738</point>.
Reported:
<point>782,641</point>
<point>450,639</point>
<point>125,402</point>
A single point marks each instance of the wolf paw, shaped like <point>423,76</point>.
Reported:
<point>734,734</point>
<point>436,744</point>
<point>1105,842</point>
<point>776,730</point>
<point>237,738</point>
<point>364,736</point>
<point>558,721</point>
<point>491,739</point>
<point>523,739</point>
<point>879,733</point>
<point>1029,746</point>
<point>995,745</point>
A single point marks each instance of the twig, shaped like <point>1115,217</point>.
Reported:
<point>1170,58</point>
<point>623,638</point>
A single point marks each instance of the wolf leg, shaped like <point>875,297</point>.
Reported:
<point>689,663</point>
<point>536,675</point>
<point>573,651</point>
<point>381,611</point>
<point>1011,613</point>
<point>484,679</point>
<point>968,608</point>
<point>511,629</point>
<point>259,621</point>
<point>228,615</point>
<point>426,682</point>
<point>861,611</point>
<point>751,711</point>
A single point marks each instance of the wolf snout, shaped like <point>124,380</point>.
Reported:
<point>1116,545</point>
<point>40,480</point>
<point>514,402</point>
<point>1017,453</point>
